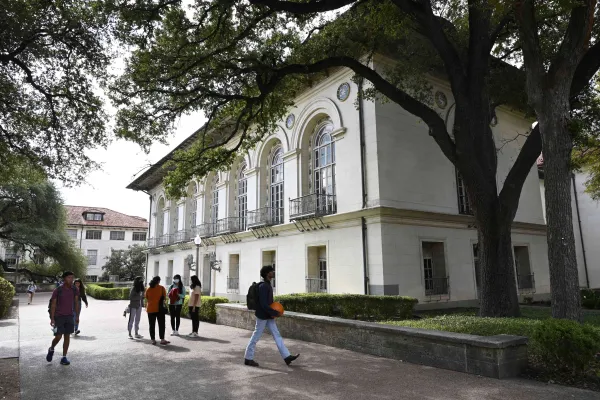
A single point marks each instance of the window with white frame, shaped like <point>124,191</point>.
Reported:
<point>92,257</point>
<point>324,160</point>
<point>464,204</point>
<point>276,183</point>
<point>117,235</point>
<point>93,235</point>
<point>138,236</point>
<point>72,233</point>
<point>214,207</point>
<point>242,196</point>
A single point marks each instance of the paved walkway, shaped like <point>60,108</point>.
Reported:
<point>107,365</point>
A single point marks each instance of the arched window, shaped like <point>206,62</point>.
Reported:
<point>214,208</point>
<point>242,196</point>
<point>324,160</point>
<point>276,184</point>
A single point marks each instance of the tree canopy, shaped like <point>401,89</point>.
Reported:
<point>127,264</point>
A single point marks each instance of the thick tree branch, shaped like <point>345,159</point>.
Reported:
<point>532,52</point>
<point>587,68</point>
<point>303,8</point>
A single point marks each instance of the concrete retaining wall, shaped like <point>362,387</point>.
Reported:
<point>499,356</point>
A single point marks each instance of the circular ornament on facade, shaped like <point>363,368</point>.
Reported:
<point>494,121</point>
<point>343,91</point>
<point>441,100</point>
<point>289,122</point>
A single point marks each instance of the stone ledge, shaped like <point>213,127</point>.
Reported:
<point>498,356</point>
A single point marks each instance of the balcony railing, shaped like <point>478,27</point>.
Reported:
<point>152,243</point>
<point>233,284</point>
<point>204,230</point>
<point>266,216</point>
<point>437,286</point>
<point>316,285</point>
<point>313,205</point>
<point>182,236</point>
<point>165,240</point>
<point>526,282</point>
<point>228,225</point>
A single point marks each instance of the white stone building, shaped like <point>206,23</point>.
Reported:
<point>97,231</point>
<point>299,202</point>
<point>586,227</point>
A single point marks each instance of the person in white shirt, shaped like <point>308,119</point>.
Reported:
<point>31,291</point>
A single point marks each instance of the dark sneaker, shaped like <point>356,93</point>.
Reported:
<point>77,332</point>
<point>64,361</point>
<point>288,360</point>
<point>251,363</point>
<point>50,354</point>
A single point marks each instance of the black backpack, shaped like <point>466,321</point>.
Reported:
<point>58,298</point>
<point>252,297</point>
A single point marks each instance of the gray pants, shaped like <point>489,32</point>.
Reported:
<point>134,316</point>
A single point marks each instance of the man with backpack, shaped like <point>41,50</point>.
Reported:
<point>259,298</point>
<point>64,300</point>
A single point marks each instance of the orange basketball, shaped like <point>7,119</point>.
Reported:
<point>277,307</point>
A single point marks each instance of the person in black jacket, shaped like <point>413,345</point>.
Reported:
<point>265,317</point>
<point>82,297</point>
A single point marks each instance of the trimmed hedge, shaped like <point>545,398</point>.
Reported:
<point>349,306</point>
<point>7,292</point>
<point>108,285</point>
<point>103,293</point>
<point>208,309</point>
<point>554,345</point>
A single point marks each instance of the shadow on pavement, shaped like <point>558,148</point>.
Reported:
<point>203,339</point>
<point>8,323</point>
<point>82,337</point>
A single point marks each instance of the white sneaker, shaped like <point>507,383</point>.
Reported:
<point>138,336</point>
<point>176,333</point>
<point>194,334</point>
<point>173,333</point>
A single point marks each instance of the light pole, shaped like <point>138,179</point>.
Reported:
<point>198,242</point>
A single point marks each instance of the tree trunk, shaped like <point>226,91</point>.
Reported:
<point>557,146</point>
<point>497,274</point>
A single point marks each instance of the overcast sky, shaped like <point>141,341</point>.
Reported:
<point>122,161</point>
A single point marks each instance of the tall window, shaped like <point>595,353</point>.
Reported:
<point>92,256</point>
<point>464,205</point>
<point>242,197</point>
<point>194,206</point>
<point>276,184</point>
<point>324,161</point>
<point>214,211</point>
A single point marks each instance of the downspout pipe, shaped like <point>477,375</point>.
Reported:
<point>585,266</point>
<point>149,230</point>
<point>361,127</point>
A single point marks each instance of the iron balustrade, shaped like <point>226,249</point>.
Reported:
<point>313,205</point>
<point>437,286</point>
<point>165,240</point>
<point>316,285</point>
<point>151,243</point>
<point>526,282</point>
<point>228,225</point>
<point>233,283</point>
<point>204,230</point>
<point>182,236</point>
<point>265,216</point>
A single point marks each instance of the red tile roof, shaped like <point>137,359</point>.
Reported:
<point>111,218</point>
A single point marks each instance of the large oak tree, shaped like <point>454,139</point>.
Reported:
<point>242,63</point>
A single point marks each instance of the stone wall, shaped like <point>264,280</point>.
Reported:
<point>499,356</point>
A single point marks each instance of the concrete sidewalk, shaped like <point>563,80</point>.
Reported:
<point>9,333</point>
<point>108,365</point>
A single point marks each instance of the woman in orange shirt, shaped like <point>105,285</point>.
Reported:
<point>155,306</point>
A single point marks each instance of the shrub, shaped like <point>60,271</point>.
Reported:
<point>208,308</point>
<point>563,345</point>
<point>108,285</point>
<point>351,306</point>
<point>7,292</point>
<point>103,293</point>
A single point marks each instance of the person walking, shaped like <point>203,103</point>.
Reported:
<point>31,291</point>
<point>155,306</point>
<point>194,304</point>
<point>64,299</point>
<point>136,304</point>
<point>82,297</point>
<point>176,296</point>
<point>265,318</point>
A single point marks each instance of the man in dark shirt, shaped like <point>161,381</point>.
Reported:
<point>265,317</point>
<point>65,299</point>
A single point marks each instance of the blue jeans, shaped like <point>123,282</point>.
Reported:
<point>258,331</point>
